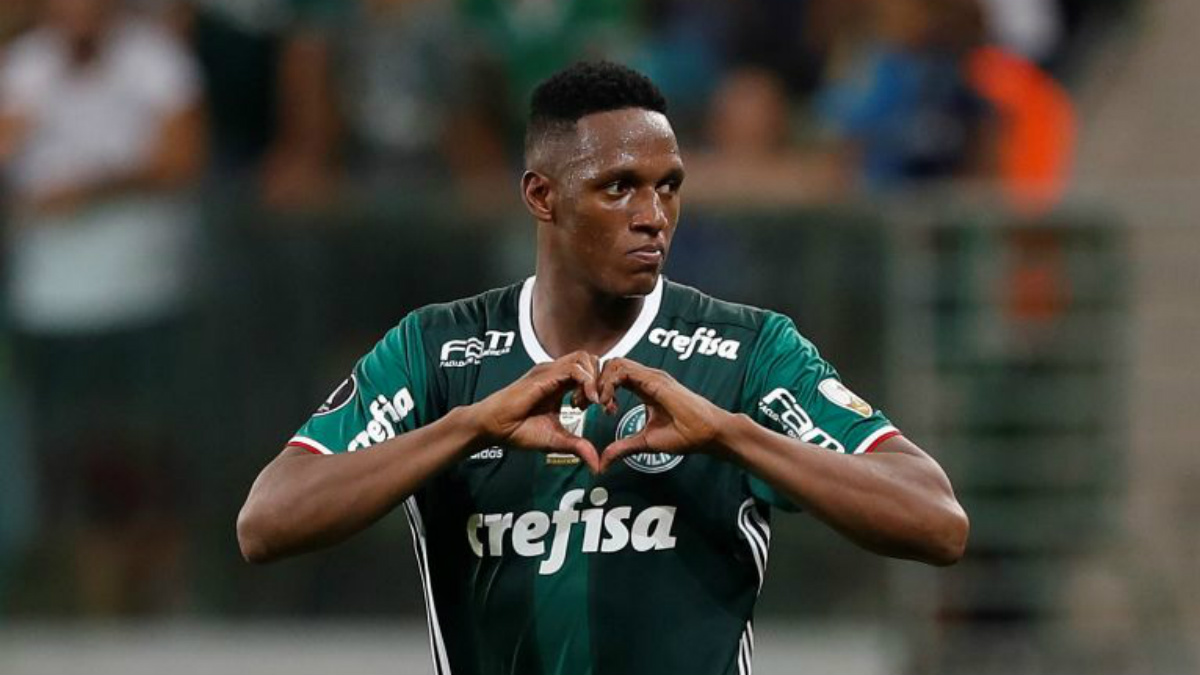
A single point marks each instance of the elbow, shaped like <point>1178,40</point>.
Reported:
<point>251,539</point>
<point>948,543</point>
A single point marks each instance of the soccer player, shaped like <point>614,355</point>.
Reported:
<point>589,458</point>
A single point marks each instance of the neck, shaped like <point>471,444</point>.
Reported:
<point>569,315</point>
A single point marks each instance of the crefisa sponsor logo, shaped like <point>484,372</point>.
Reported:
<point>704,341</point>
<point>537,534</point>
<point>647,462</point>
<point>386,415</point>
<point>470,351</point>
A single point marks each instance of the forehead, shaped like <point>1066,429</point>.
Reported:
<point>622,139</point>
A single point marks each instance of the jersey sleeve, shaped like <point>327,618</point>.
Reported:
<point>386,394</point>
<point>790,389</point>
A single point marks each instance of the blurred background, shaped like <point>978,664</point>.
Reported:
<point>985,212</point>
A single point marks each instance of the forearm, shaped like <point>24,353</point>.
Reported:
<point>895,503</point>
<point>302,501</point>
<point>175,161</point>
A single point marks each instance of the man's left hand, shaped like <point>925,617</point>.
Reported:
<point>678,421</point>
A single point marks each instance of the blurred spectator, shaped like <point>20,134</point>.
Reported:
<point>101,142</point>
<point>750,155</point>
<point>686,51</point>
<point>15,17</point>
<point>268,67</point>
<point>903,104</point>
<point>1035,127</point>
<point>421,113</point>
<point>101,134</point>
<point>781,36</point>
<point>1031,28</point>
<point>402,69</point>
<point>530,39</point>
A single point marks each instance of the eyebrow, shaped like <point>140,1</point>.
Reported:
<point>676,174</point>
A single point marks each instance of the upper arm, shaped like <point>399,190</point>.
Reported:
<point>22,83</point>
<point>790,389</point>
<point>386,394</point>
<point>13,127</point>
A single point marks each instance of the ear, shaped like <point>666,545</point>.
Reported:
<point>538,195</point>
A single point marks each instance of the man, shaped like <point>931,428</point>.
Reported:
<point>102,146</point>
<point>588,458</point>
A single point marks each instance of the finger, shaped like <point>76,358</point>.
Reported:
<point>584,450</point>
<point>620,449</point>
<point>578,398</point>
<point>586,377</point>
<point>606,395</point>
<point>640,380</point>
<point>564,441</point>
<point>597,368</point>
<point>611,376</point>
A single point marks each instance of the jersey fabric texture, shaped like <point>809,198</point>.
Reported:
<point>531,564</point>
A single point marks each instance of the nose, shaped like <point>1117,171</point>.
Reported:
<point>649,212</point>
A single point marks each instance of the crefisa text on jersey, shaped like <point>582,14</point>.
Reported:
<point>704,342</point>
<point>470,351</point>
<point>385,415</point>
<point>605,531</point>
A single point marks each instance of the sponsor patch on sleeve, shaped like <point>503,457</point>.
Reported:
<point>841,396</point>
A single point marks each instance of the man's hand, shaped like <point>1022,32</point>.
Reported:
<point>678,421</point>
<point>525,414</point>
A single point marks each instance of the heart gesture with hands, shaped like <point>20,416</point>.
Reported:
<point>525,414</point>
<point>678,421</point>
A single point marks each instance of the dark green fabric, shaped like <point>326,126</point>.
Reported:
<point>533,564</point>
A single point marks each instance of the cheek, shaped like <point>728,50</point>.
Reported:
<point>596,231</point>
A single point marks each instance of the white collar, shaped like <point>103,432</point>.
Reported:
<point>627,342</point>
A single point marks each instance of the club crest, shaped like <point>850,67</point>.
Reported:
<point>646,462</point>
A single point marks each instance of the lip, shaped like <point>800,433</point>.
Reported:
<point>649,254</point>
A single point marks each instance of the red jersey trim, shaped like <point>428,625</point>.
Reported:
<point>309,445</point>
<point>875,443</point>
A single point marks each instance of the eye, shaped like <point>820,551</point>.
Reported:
<point>669,187</point>
<point>617,188</point>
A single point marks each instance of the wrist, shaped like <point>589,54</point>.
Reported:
<point>472,420</point>
<point>731,430</point>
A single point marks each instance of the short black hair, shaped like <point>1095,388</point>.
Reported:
<point>585,88</point>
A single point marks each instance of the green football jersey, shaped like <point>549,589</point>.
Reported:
<point>531,564</point>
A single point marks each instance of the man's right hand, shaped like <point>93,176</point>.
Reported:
<point>525,414</point>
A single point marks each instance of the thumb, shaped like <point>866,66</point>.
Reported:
<point>622,448</point>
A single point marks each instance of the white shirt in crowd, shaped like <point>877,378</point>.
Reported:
<point>125,261</point>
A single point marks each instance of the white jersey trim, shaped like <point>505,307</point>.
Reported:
<point>437,645</point>
<point>636,332</point>
<point>306,441</point>
<point>758,537</point>
<point>870,440</point>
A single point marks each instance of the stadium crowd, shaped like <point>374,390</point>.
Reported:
<point>120,120</point>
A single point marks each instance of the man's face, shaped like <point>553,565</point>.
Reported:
<point>616,200</point>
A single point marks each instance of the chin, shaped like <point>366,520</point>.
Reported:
<point>639,284</point>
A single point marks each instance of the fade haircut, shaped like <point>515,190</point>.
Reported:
<point>582,89</point>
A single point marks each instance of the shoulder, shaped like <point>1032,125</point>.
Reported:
<point>496,308</point>
<point>687,304</point>
<point>764,331</point>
